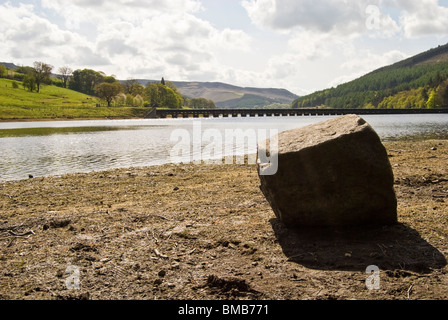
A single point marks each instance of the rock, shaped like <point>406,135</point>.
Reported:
<point>333,173</point>
<point>158,282</point>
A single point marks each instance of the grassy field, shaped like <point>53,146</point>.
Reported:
<point>53,102</point>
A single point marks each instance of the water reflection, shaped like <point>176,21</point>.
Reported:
<point>52,148</point>
<point>48,131</point>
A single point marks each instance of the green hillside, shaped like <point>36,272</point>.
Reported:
<point>418,82</point>
<point>54,102</point>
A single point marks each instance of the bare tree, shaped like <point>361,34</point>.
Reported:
<point>65,74</point>
<point>42,72</point>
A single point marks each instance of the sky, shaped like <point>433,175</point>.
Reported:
<point>298,45</point>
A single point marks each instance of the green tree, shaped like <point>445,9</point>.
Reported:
<point>42,73</point>
<point>108,91</point>
<point>445,97</point>
<point>431,103</point>
<point>29,82</point>
<point>86,80</point>
<point>2,71</point>
<point>132,87</point>
<point>109,79</point>
<point>25,70</point>
<point>152,96</point>
<point>138,101</point>
<point>201,103</point>
<point>172,86</point>
<point>169,98</point>
<point>161,96</point>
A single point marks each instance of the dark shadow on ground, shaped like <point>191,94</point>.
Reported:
<point>396,247</point>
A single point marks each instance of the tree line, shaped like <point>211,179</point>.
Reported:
<point>108,89</point>
<point>401,86</point>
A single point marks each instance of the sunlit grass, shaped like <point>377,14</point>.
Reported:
<point>53,102</point>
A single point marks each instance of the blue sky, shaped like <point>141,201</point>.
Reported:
<point>300,45</point>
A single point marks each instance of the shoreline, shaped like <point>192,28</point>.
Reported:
<point>162,232</point>
<point>361,112</point>
<point>67,119</point>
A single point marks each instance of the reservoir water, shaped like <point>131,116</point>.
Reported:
<point>59,147</point>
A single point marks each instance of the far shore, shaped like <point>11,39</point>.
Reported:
<point>68,119</point>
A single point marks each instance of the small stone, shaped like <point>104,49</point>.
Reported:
<point>162,273</point>
<point>158,282</point>
<point>434,149</point>
<point>348,255</point>
<point>176,188</point>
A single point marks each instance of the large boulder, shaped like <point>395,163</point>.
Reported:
<point>333,173</point>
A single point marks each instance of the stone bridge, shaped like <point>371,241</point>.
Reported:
<point>218,113</point>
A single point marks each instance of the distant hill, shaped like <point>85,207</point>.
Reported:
<point>9,65</point>
<point>417,82</point>
<point>230,96</point>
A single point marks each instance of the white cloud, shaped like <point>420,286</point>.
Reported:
<point>229,39</point>
<point>422,17</point>
<point>130,38</point>
<point>27,37</point>
<point>77,12</point>
<point>344,17</point>
<point>316,15</point>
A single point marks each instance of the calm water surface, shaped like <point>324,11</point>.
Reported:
<point>59,147</point>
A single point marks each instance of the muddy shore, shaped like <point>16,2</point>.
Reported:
<point>206,232</point>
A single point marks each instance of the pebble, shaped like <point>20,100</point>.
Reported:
<point>158,282</point>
